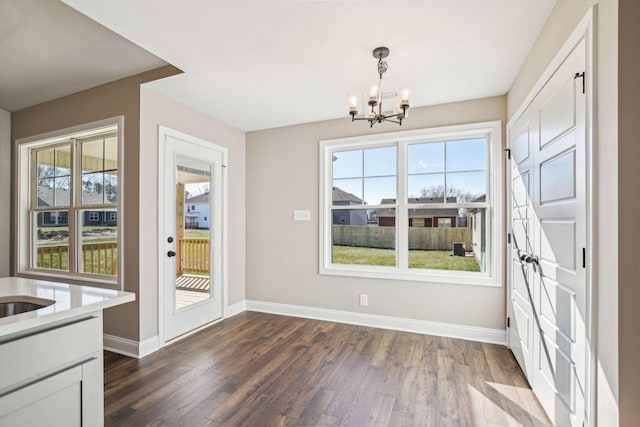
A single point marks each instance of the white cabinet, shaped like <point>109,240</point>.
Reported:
<point>52,375</point>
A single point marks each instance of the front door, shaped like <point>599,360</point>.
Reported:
<point>192,235</point>
<point>547,276</point>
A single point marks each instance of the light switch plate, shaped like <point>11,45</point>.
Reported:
<point>302,215</point>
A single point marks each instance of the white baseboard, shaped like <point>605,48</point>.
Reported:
<point>148,346</point>
<point>472,333</point>
<point>140,349</point>
<point>234,309</point>
<point>143,348</point>
<point>131,348</point>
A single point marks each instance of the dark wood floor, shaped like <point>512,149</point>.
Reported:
<point>259,369</point>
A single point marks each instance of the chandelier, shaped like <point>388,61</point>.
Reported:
<point>374,98</point>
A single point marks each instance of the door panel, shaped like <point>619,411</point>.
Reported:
<point>557,114</point>
<point>520,145</point>
<point>521,191</point>
<point>559,321</point>
<point>520,287</point>
<point>548,242</point>
<point>557,243</point>
<point>557,178</point>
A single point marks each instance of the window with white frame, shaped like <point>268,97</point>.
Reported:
<point>68,227</point>
<point>402,204</point>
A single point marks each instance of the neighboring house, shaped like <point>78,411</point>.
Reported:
<point>99,218</point>
<point>348,216</point>
<point>437,217</point>
<point>479,232</point>
<point>196,211</point>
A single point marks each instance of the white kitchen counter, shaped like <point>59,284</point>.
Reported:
<point>70,301</point>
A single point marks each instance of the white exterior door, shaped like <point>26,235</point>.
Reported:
<point>191,252</point>
<point>547,275</point>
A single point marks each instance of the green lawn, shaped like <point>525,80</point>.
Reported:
<point>434,260</point>
<point>195,233</point>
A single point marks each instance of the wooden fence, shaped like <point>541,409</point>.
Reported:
<point>421,238</point>
<point>97,258</point>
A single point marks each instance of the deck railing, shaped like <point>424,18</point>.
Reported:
<point>102,258</point>
<point>98,258</point>
<point>194,256</point>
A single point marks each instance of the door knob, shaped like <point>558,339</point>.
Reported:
<point>171,253</point>
<point>529,259</point>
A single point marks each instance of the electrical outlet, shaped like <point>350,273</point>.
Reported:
<point>364,300</point>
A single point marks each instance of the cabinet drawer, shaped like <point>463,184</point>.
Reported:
<point>49,350</point>
<point>52,402</point>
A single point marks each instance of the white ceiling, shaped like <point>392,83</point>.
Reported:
<point>49,50</point>
<point>258,64</point>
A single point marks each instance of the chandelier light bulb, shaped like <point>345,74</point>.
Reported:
<point>404,96</point>
<point>373,95</point>
<point>353,105</point>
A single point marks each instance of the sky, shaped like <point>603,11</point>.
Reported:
<point>370,174</point>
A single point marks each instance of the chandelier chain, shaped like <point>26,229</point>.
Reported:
<point>382,67</point>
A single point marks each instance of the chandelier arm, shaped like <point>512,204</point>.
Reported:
<point>399,115</point>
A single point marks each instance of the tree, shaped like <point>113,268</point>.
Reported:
<point>49,177</point>
<point>88,186</point>
<point>461,195</point>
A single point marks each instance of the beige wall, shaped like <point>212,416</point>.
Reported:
<point>629,202</point>
<point>606,207</point>
<point>5,191</point>
<point>561,23</point>
<point>157,109</point>
<point>606,203</point>
<point>282,255</point>
<point>119,98</point>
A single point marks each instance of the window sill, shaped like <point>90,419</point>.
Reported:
<point>73,279</point>
<point>431,276</point>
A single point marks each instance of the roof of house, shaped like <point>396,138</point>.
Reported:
<point>45,197</point>
<point>340,195</point>
<point>419,211</point>
<point>200,198</point>
<point>418,200</point>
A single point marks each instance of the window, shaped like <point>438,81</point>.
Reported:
<point>68,225</point>
<point>444,222</point>
<point>401,205</point>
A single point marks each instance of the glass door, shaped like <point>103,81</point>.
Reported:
<point>192,236</point>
